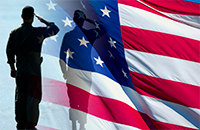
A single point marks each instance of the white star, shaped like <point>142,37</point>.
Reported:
<point>40,39</point>
<point>67,22</point>
<point>96,24</point>
<point>54,38</point>
<point>105,12</point>
<point>97,34</point>
<point>112,43</point>
<point>81,15</point>
<point>51,5</point>
<point>99,61</point>
<point>83,42</point>
<point>111,55</point>
<point>69,53</point>
<point>45,40</point>
<point>125,75</point>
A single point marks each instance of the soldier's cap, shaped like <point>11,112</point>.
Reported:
<point>27,12</point>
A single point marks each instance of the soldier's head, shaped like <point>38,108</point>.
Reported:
<point>79,17</point>
<point>28,14</point>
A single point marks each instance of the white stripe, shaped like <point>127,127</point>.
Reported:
<point>138,18</point>
<point>167,112</point>
<point>193,21</point>
<point>172,113</point>
<point>163,67</point>
<point>57,117</point>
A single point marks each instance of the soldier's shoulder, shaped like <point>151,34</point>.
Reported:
<point>16,29</point>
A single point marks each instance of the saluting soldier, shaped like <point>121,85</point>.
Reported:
<point>24,48</point>
<point>77,100</point>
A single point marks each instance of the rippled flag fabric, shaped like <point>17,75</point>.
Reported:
<point>142,74</point>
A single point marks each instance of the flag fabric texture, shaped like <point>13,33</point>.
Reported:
<point>143,73</point>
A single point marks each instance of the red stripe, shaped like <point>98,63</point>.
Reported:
<point>105,108</point>
<point>167,126</point>
<point>169,6</point>
<point>184,94</point>
<point>175,6</point>
<point>55,92</point>
<point>160,43</point>
<point>156,125</point>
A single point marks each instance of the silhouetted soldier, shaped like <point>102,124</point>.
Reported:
<point>25,43</point>
<point>76,99</point>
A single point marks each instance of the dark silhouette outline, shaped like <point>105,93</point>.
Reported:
<point>76,100</point>
<point>25,44</point>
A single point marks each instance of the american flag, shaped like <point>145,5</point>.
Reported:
<point>143,73</point>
